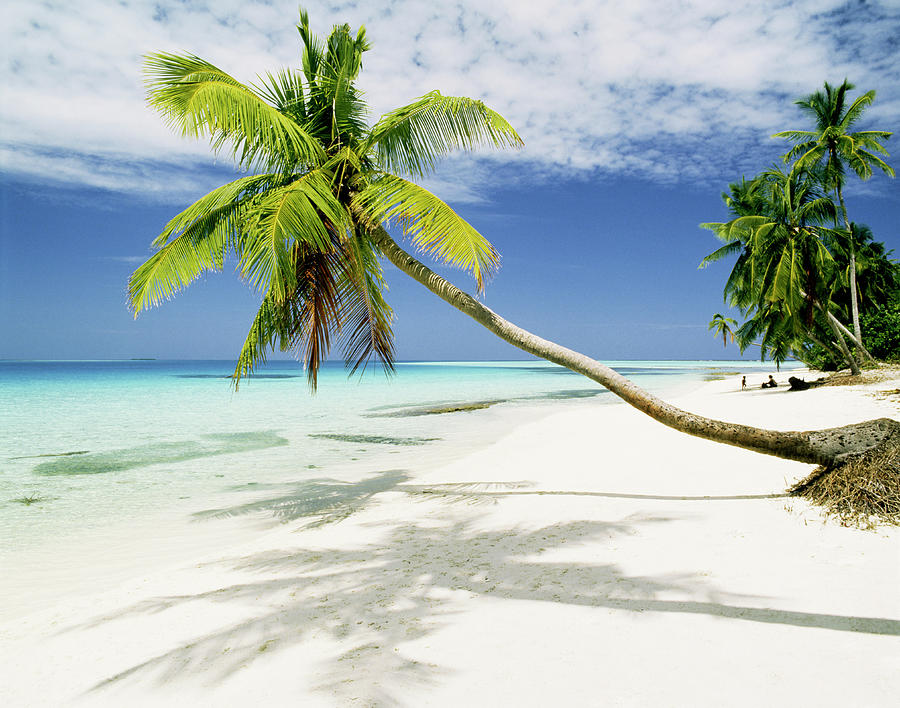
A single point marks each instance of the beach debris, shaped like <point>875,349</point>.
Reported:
<point>29,499</point>
<point>798,384</point>
<point>859,490</point>
<point>51,454</point>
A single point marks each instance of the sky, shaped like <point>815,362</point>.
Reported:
<point>635,117</point>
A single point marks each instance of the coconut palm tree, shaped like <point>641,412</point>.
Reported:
<point>836,146</point>
<point>722,327</point>
<point>307,230</point>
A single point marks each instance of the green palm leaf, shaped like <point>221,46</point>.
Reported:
<point>194,241</point>
<point>284,90</point>
<point>200,99</point>
<point>728,249</point>
<point>365,315</point>
<point>266,329</point>
<point>433,227</point>
<point>410,139</point>
<point>303,211</point>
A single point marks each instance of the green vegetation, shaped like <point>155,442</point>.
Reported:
<point>882,331</point>
<point>802,268</point>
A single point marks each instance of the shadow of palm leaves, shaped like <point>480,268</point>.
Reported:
<point>376,597</point>
<point>327,500</point>
<point>489,492</point>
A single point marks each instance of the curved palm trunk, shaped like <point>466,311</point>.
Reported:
<point>816,447</point>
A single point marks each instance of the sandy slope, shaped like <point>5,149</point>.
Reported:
<point>591,558</point>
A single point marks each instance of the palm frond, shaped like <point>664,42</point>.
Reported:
<point>200,99</point>
<point>194,241</point>
<point>303,211</point>
<point>797,135</point>
<point>284,90</point>
<point>728,249</point>
<point>433,227</point>
<point>314,310</point>
<point>410,139</point>
<point>266,329</point>
<point>862,162</point>
<point>313,49</point>
<point>856,110</point>
<point>365,315</point>
<point>739,229</point>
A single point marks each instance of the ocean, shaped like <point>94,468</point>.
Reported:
<point>94,449</point>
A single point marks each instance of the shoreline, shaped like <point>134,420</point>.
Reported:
<point>567,561</point>
<point>46,570</point>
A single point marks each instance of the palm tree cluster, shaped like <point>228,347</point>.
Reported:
<point>803,269</point>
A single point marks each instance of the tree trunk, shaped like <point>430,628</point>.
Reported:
<point>854,303</point>
<point>815,447</point>
<point>833,322</point>
<point>859,347</point>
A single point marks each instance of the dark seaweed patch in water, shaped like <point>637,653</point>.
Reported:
<point>379,439</point>
<point>437,410</point>
<point>52,454</point>
<point>560,371</point>
<point>160,453</point>
<point>440,408</point>
<point>252,377</point>
<point>574,393</point>
<point>719,374</point>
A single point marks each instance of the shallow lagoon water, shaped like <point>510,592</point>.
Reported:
<point>89,446</point>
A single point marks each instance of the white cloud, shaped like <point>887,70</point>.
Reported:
<point>675,91</point>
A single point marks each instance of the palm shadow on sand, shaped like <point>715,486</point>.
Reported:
<point>406,584</point>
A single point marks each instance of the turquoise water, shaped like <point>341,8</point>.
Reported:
<point>88,445</point>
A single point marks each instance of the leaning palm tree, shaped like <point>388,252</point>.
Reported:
<point>308,228</point>
<point>835,145</point>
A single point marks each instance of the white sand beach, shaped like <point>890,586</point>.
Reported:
<point>592,558</point>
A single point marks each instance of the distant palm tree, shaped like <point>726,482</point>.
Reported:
<point>723,327</point>
<point>307,231</point>
<point>834,144</point>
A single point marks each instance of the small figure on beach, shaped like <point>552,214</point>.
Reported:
<point>743,383</point>
<point>770,383</point>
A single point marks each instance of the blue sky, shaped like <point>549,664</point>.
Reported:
<point>635,117</point>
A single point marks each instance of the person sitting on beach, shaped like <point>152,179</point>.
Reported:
<point>770,383</point>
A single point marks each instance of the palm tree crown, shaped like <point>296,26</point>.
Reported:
<point>301,226</point>
<point>833,142</point>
